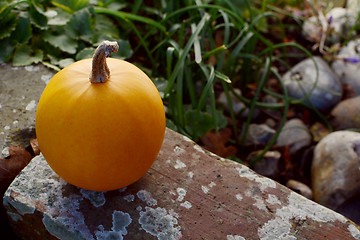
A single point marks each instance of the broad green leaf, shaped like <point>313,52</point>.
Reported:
<point>81,25</point>
<point>61,41</point>
<point>37,18</point>
<point>105,26</point>
<point>22,31</point>
<point>85,53</point>
<point>204,123</point>
<point>70,6</point>
<point>57,17</point>
<point>24,55</point>
<point>66,62</point>
<point>6,53</point>
<point>124,50</point>
<point>7,25</point>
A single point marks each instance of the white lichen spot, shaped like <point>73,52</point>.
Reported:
<point>122,189</point>
<point>354,231</point>
<point>186,139</point>
<point>179,164</point>
<point>15,122</point>
<point>195,156</point>
<point>205,189</point>
<point>186,204</point>
<point>159,223</point>
<point>97,199</point>
<point>178,150</point>
<point>46,78</point>
<point>234,237</point>
<point>239,197</point>
<point>31,68</point>
<point>299,209</point>
<point>212,184</point>
<point>181,192</point>
<point>249,174</point>
<point>146,197</point>
<point>129,198</point>
<point>191,174</point>
<point>7,128</point>
<point>139,208</point>
<point>172,192</point>
<point>272,199</point>
<point>199,149</point>
<point>31,105</point>
<point>14,110</point>
<point>259,201</point>
<point>120,221</point>
<point>5,151</point>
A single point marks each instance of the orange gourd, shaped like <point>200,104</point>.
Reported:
<point>102,133</point>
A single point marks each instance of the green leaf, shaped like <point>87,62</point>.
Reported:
<point>85,53</point>
<point>204,123</point>
<point>124,50</point>
<point>61,41</point>
<point>66,62</point>
<point>70,6</point>
<point>57,17</point>
<point>106,27</point>
<point>81,25</point>
<point>7,25</point>
<point>37,17</point>
<point>22,31</point>
<point>24,55</point>
<point>6,53</point>
<point>160,84</point>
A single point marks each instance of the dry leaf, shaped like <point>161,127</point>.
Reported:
<point>10,168</point>
<point>216,142</point>
<point>35,146</point>
<point>318,131</point>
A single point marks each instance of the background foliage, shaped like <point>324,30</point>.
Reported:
<point>193,50</point>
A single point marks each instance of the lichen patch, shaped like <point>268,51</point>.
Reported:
<point>160,223</point>
<point>249,174</point>
<point>354,231</point>
<point>301,209</point>
<point>179,164</point>
<point>234,237</point>
<point>120,221</point>
<point>146,197</point>
<point>96,198</point>
<point>181,194</point>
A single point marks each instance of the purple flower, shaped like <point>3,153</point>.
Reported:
<point>330,19</point>
<point>351,60</point>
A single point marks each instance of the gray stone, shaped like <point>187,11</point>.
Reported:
<point>347,70</point>
<point>207,197</point>
<point>268,165</point>
<point>300,188</point>
<point>336,168</point>
<point>294,134</point>
<point>346,114</point>
<point>20,91</point>
<point>323,92</point>
<point>259,133</point>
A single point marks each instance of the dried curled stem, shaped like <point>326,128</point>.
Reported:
<point>100,72</point>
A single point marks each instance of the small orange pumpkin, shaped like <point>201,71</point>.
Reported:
<point>104,133</point>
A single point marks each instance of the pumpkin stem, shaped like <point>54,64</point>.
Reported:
<point>100,72</point>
